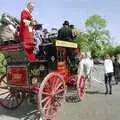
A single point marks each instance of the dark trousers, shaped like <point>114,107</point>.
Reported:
<point>108,79</point>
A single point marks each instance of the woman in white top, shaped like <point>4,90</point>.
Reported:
<point>108,67</point>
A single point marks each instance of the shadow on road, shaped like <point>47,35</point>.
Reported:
<point>24,112</point>
<point>72,95</point>
<point>72,99</point>
<point>95,92</point>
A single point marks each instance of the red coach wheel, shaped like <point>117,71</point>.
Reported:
<point>10,98</point>
<point>51,95</point>
<point>81,84</point>
<point>72,80</point>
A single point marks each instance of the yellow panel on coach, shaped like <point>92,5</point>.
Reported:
<point>61,43</point>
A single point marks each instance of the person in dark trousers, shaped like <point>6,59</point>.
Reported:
<point>116,70</point>
<point>108,67</point>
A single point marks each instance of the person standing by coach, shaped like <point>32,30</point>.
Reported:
<point>108,67</point>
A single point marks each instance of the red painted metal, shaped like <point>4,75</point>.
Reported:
<point>11,47</point>
<point>62,70</point>
<point>17,76</point>
<point>72,80</point>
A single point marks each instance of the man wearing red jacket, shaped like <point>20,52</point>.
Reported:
<point>26,31</point>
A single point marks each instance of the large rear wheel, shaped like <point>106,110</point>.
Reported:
<point>11,98</point>
<point>51,95</point>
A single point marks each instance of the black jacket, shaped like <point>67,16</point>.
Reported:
<point>65,33</point>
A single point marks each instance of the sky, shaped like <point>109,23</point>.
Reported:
<point>52,13</point>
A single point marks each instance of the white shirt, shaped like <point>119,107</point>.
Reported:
<point>38,39</point>
<point>85,66</point>
<point>88,65</point>
<point>108,65</point>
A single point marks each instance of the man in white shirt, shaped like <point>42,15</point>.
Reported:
<point>108,67</point>
<point>85,65</point>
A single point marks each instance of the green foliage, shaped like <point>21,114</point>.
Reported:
<point>2,64</point>
<point>96,39</point>
<point>113,50</point>
<point>95,22</point>
<point>82,41</point>
<point>98,36</point>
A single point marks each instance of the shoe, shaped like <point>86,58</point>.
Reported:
<point>116,83</point>
<point>106,93</point>
<point>110,93</point>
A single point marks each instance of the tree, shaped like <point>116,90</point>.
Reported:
<point>82,41</point>
<point>98,36</point>
<point>2,64</point>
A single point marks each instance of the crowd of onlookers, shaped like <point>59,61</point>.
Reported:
<point>111,71</point>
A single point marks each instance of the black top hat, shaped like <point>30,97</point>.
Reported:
<point>66,22</point>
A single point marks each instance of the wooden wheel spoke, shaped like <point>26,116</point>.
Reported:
<point>17,100</point>
<point>4,87</point>
<point>59,91</point>
<point>56,83</point>
<point>59,85</point>
<point>46,93</point>
<point>4,81</point>
<point>46,104</point>
<point>53,82</point>
<point>8,96</point>
<point>46,98</point>
<point>4,93</point>
<point>48,110</point>
<point>47,86</point>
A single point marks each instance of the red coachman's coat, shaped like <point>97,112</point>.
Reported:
<point>26,34</point>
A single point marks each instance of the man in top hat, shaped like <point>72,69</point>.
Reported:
<point>65,33</point>
<point>26,31</point>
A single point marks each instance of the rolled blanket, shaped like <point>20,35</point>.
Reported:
<point>7,32</point>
